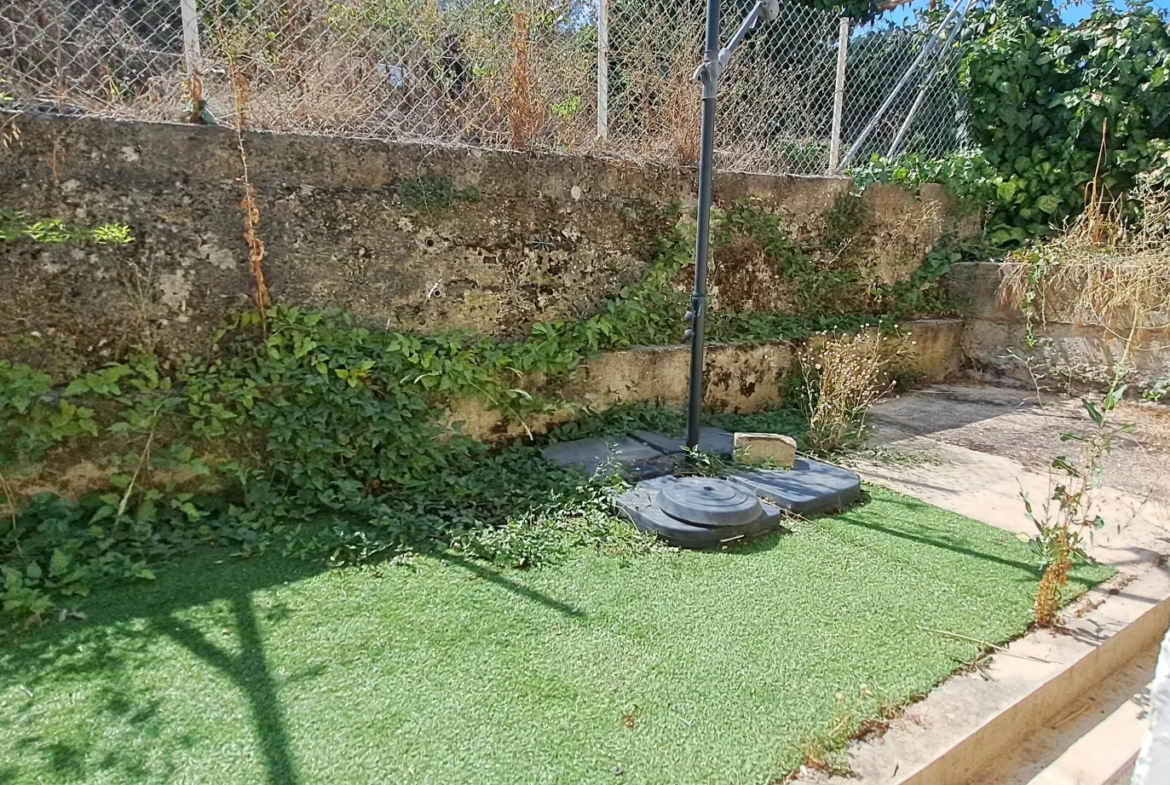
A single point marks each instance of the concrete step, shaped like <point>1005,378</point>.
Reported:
<point>1103,756</point>
<point>1095,741</point>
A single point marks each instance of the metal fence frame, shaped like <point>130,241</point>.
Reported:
<point>608,77</point>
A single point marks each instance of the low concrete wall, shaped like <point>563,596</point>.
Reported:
<point>1066,354</point>
<point>744,378</point>
<point>406,235</point>
<point>740,378</point>
<point>1153,764</point>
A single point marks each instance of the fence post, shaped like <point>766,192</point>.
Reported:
<point>191,37</point>
<point>602,69</point>
<point>839,96</point>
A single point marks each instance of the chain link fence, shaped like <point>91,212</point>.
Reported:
<point>609,77</point>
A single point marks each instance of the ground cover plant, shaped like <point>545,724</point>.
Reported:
<point>318,436</point>
<point>646,666</point>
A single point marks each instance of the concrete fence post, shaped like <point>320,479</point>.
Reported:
<point>839,96</point>
<point>191,51</point>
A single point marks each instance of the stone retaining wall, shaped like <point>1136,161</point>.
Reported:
<point>408,235</point>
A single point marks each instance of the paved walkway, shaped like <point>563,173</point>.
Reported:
<point>974,449</point>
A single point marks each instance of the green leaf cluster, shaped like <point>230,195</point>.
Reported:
<point>1052,106</point>
<point>314,434</point>
<point>15,225</point>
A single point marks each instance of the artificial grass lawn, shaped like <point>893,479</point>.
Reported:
<point>658,668</point>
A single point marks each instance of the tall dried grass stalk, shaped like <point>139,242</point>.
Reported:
<point>248,204</point>
<point>1102,270</point>
<point>843,376</point>
<point>526,107</point>
<point>681,115</point>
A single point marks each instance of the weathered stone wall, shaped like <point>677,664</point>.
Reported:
<point>414,236</point>
<point>1066,354</point>
<point>739,378</point>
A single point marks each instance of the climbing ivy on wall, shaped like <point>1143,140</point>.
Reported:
<point>315,434</point>
<point>1048,99</point>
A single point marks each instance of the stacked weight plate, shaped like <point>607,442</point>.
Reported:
<point>705,512</point>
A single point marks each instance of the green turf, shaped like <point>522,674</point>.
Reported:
<point>666,667</point>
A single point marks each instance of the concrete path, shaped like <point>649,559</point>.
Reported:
<point>976,449</point>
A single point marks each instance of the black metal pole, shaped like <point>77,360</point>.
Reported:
<point>709,76</point>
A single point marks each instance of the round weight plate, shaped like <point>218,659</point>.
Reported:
<point>708,502</point>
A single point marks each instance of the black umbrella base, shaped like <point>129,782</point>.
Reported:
<point>642,504</point>
<point>702,512</point>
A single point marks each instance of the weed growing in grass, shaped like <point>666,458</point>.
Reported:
<point>704,464</point>
<point>1068,517</point>
<point>824,753</point>
<point>1157,391</point>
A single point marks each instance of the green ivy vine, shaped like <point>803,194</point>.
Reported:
<point>321,436</point>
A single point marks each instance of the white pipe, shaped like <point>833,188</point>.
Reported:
<point>602,69</point>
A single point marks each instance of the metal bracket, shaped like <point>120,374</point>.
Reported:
<point>708,75</point>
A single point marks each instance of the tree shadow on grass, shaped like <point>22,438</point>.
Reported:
<point>944,541</point>
<point>248,671</point>
<point>940,539</point>
<point>851,516</point>
<point>496,578</point>
<point>103,656</point>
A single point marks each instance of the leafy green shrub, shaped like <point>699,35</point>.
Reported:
<point>966,174</point>
<point>32,418</point>
<point>337,438</point>
<point>1052,105</point>
<point>1048,96</point>
<point>845,220</point>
